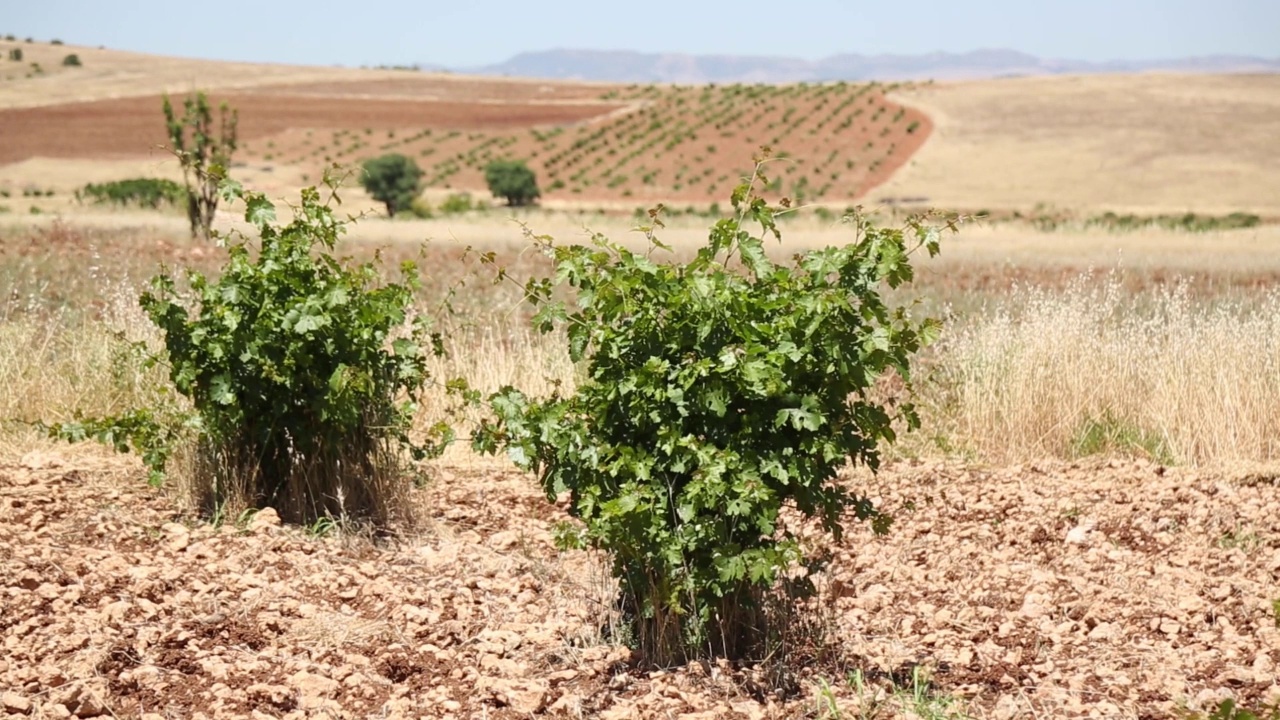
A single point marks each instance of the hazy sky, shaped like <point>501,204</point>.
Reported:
<point>461,33</point>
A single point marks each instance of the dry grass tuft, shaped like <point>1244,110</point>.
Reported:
<point>1093,369</point>
<point>490,357</point>
<point>57,365</point>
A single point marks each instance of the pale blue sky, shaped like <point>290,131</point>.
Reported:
<point>459,33</point>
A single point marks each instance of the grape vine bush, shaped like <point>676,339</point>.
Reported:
<point>717,392</point>
<point>303,372</point>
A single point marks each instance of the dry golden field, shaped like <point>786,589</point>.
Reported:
<point>1148,144</point>
<point>1153,143</point>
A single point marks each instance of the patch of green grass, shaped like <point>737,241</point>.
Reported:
<point>1189,222</point>
<point>323,527</point>
<point>1240,538</point>
<point>923,701</point>
<point>1107,433</point>
<point>914,698</point>
<point>1228,710</point>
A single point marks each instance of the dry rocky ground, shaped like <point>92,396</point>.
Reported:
<point>1097,589</point>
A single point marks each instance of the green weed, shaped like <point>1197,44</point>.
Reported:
<point>1107,433</point>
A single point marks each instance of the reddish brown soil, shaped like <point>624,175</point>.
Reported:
<point>134,126</point>
<point>669,145</point>
<point>1104,589</point>
<point>436,87</point>
<point>595,143</point>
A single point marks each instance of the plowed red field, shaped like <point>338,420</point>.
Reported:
<point>585,142</point>
<point>134,126</point>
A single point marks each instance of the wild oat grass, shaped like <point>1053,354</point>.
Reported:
<point>490,356</point>
<point>57,364</point>
<point>1040,373</point>
<point>1093,368</point>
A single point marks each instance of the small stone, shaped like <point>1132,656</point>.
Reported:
<point>1079,535</point>
<point>527,697</point>
<point>89,706</point>
<point>568,704</point>
<point>561,676</point>
<point>751,709</point>
<point>495,665</point>
<point>264,520</point>
<point>1103,631</point>
<point>15,703</point>
<point>176,537</point>
<point>313,690</point>
<point>274,694</point>
<point>1033,607</point>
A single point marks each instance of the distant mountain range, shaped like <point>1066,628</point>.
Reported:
<point>629,66</point>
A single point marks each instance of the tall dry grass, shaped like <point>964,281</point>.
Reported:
<point>1040,373</point>
<point>1093,369</point>
<point>491,356</point>
<point>58,364</point>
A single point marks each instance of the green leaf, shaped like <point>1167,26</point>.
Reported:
<point>718,402</point>
<point>310,322</point>
<point>754,256</point>
<point>259,210</point>
<point>798,419</point>
<point>518,456</point>
<point>222,390</point>
<point>338,380</point>
<point>930,330</point>
<point>230,190</point>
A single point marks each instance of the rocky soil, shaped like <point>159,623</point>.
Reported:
<point>1110,589</point>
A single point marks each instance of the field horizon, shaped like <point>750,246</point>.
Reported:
<point>591,146</point>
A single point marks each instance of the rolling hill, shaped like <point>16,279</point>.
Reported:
<point>1150,143</point>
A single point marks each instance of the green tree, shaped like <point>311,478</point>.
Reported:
<point>393,180</point>
<point>71,60</point>
<point>204,156</point>
<point>15,54</point>
<point>513,181</point>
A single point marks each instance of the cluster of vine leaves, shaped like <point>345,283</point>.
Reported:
<point>716,393</point>
<point>288,348</point>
